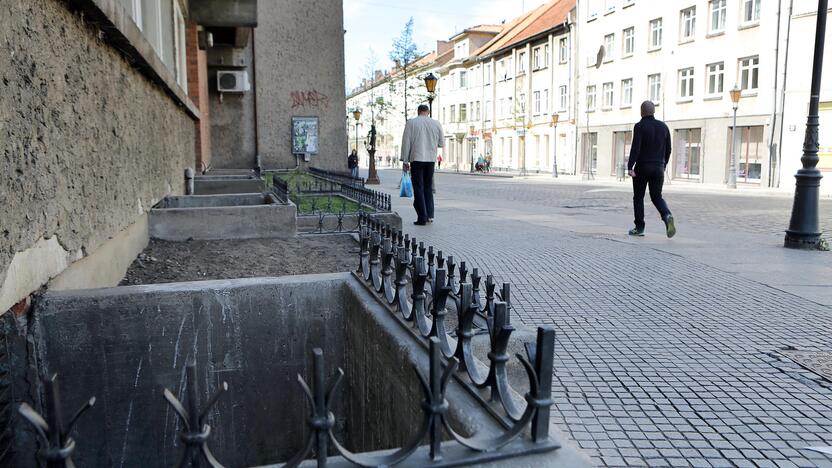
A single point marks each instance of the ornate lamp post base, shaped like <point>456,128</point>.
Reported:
<point>804,227</point>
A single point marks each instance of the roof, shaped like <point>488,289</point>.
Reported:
<point>529,25</point>
<point>480,28</point>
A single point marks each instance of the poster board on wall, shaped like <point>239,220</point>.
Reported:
<point>305,131</point>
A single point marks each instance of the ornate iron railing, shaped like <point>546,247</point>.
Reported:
<point>418,286</point>
<point>378,200</point>
<point>338,176</point>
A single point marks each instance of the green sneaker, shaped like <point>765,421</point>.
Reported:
<point>671,226</point>
<point>639,232</point>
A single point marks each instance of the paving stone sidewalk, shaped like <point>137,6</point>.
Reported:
<point>660,360</point>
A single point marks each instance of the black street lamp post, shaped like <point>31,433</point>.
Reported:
<point>430,84</point>
<point>804,227</point>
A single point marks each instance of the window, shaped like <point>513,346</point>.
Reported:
<point>654,88</point>
<point>453,113</point>
<point>590,152</point>
<point>134,9</point>
<point>622,141</point>
<point>478,114</point>
<point>687,24</point>
<point>609,43</point>
<point>749,73</point>
<point>590,98</point>
<point>487,76</point>
<point>627,92</point>
<point>608,95</point>
<point>546,55</point>
<point>488,111</point>
<point>522,104</point>
<point>510,70</point>
<point>501,109</point>
<point>536,59</point>
<point>502,73</point>
<point>521,63</point>
<point>716,78</point>
<point>686,83</point>
<point>463,113</point>
<point>655,34</point>
<point>629,41</point>
<point>180,54</point>
<point>545,101</point>
<point>750,11</point>
<point>443,115</point>
<point>564,98</point>
<point>563,53</point>
<point>751,152</point>
<point>688,153</point>
<point>463,80</point>
<point>536,103</point>
<point>718,11</point>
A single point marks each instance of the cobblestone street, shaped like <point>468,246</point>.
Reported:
<point>667,351</point>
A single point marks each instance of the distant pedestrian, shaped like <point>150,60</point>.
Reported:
<point>649,155</point>
<point>352,163</point>
<point>439,162</point>
<point>422,136</point>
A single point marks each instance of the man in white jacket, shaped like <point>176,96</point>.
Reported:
<point>422,136</point>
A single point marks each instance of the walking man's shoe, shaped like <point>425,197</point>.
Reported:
<point>430,220</point>
<point>671,226</point>
<point>639,232</point>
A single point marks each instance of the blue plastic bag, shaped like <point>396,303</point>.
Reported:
<point>406,186</point>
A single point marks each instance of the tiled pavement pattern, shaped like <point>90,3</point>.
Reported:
<point>743,213</point>
<point>676,368</point>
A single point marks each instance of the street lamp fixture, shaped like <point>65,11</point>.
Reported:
<point>804,226</point>
<point>555,118</point>
<point>356,114</point>
<point>736,94</point>
<point>430,85</point>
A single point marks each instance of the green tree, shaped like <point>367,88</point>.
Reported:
<point>403,54</point>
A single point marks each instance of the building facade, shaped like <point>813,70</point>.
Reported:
<point>593,62</point>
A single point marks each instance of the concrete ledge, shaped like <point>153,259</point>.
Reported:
<point>107,265</point>
<point>215,220</point>
<point>229,184</point>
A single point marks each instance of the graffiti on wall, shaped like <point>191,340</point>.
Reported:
<point>311,99</point>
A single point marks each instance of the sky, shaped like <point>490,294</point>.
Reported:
<point>372,25</point>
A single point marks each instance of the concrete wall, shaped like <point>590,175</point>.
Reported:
<point>300,72</point>
<point>232,118</point>
<point>224,222</point>
<point>124,345</point>
<point>88,143</point>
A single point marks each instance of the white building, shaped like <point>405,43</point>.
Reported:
<point>499,87</point>
<point>686,57</point>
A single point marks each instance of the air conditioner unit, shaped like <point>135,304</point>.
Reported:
<point>232,81</point>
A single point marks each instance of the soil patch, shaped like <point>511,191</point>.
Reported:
<point>168,262</point>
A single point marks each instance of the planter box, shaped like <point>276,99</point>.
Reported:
<point>212,217</point>
<point>227,184</point>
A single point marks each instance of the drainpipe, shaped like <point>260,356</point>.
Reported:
<point>783,92</point>
<point>257,162</point>
<point>771,146</point>
<point>573,70</point>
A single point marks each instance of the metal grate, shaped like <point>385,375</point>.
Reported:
<point>819,362</point>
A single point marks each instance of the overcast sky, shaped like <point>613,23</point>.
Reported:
<point>374,24</point>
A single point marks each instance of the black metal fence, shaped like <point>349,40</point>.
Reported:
<point>379,201</point>
<point>338,176</point>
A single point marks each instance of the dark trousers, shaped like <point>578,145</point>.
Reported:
<point>421,173</point>
<point>651,175</point>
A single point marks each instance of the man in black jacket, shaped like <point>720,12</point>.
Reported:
<point>649,155</point>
